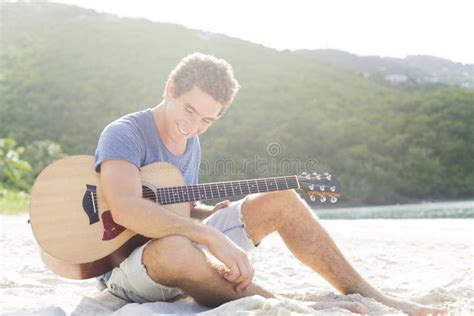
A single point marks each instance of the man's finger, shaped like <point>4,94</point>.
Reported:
<point>224,203</point>
<point>233,274</point>
<point>244,273</point>
<point>246,276</point>
<point>221,205</point>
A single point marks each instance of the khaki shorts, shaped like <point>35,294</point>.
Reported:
<point>131,282</point>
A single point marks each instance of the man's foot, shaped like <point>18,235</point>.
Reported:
<point>351,306</point>
<point>414,309</point>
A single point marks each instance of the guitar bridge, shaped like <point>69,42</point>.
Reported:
<point>89,204</point>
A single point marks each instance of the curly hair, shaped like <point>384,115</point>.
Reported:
<point>212,75</point>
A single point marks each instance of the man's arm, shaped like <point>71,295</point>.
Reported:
<point>121,187</point>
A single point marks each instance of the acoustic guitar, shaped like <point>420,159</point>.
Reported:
<point>76,232</point>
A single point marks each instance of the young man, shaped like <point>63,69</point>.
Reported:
<point>197,93</point>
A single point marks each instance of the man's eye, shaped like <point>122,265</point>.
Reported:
<point>188,110</point>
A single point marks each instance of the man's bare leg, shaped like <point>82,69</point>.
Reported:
<point>175,261</point>
<point>203,280</point>
<point>299,228</point>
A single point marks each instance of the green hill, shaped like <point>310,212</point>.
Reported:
<point>66,72</point>
<point>412,71</point>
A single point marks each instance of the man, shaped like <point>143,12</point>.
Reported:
<point>175,261</point>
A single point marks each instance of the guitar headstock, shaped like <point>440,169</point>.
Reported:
<point>325,186</point>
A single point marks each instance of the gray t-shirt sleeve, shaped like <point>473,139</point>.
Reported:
<point>120,140</point>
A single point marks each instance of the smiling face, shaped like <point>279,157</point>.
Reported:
<point>189,114</point>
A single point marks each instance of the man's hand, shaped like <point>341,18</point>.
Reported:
<point>240,271</point>
<point>220,205</point>
<point>201,211</point>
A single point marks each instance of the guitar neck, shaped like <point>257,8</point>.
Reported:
<point>209,191</point>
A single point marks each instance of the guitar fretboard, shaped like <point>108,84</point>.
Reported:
<point>208,191</point>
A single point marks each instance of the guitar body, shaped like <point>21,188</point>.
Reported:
<point>73,224</point>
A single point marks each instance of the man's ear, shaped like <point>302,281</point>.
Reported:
<point>169,89</point>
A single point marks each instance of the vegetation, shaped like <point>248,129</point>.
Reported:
<point>12,201</point>
<point>66,72</point>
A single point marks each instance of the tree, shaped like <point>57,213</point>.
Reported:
<point>14,172</point>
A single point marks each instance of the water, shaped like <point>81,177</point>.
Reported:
<point>464,209</point>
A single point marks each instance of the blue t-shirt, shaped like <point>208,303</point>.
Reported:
<point>135,138</point>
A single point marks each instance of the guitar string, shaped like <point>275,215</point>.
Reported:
<point>291,180</point>
<point>172,198</point>
<point>175,191</point>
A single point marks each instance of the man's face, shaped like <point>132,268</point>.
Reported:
<point>191,113</point>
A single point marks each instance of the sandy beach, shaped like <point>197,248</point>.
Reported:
<point>427,260</point>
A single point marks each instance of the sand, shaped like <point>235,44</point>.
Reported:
<point>426,260</point>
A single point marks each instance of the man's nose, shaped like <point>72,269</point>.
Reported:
<point>192,125</point>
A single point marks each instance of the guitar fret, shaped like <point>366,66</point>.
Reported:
<point>202,192</point>
<point>260,183</point>
<point>208,191</point>
<point>228,189</point>
<point>173,194</point>
<point>279,183</point>
<point>188,195</point>
<point>235,186</point>
<point>163,196</point>
<point>170,194</point>
<point>239,185</point>
<point>215,190</point>
<point>221,190</point>
<point>266,185</point>
<point>166,195</point>
<point>179,194</point>
<point>170,197</point>
<point>193,193</point>
<point>158,194</point>
<point>293,182</point>
<point>184,196</point>
<point>275,188</point>
<point>251,187</point>
<point>193,189</point>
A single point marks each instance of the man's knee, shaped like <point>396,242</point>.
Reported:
<point>171,259</point>
<point>281,200</point>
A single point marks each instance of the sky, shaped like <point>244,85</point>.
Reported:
<point>442,28</point>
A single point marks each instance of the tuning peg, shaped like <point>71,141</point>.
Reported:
<point>333,199</point>
<point>333,188</point>
<point>318,176</point>
<point>329,177</point>
<point>321,188</point>
<point>312,197</point>
<point>323,198</point>
<point>311,187</point>
<point>306,175</point>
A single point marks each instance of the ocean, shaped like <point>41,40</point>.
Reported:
<point>461,209</point>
